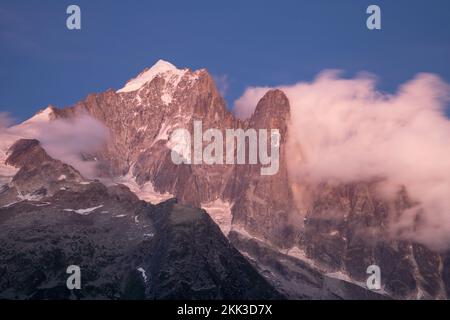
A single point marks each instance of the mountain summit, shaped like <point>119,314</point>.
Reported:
<point>160,68</point>
<point>289,232</point>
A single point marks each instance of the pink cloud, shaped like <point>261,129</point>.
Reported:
<point>346,130</point>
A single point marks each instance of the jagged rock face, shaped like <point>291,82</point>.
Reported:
<point>263,204</point>
<point>345,225</point>
<point>191,242</point>
<point>141,121</point>
<point>346,230</point>
<point>39,174</point>
<point>126,249</point>
<point>27,153</point>
<point>295,278</point>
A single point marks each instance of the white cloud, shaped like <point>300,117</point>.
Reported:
<point>346,130</point>
<point>66,140</point>
<point>69,140</point>
<point>246,104</point>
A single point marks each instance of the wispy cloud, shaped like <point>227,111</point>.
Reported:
<point>65,140</point>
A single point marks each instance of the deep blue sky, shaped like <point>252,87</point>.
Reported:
<point>251,42</point>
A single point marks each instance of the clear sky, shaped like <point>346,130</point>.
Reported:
<point>243,43</point>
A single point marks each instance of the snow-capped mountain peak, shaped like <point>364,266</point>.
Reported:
<point>159,68</point>
<point>43,115</point>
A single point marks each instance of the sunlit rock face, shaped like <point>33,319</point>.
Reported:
<point>309,241</point>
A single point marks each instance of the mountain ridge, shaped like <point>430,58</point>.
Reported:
<point>259,207</point>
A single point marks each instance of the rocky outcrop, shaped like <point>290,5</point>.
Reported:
<point>126,249</point>
<point>140,123</point>
<point>193,260</point>
<point>263,204</point>
<point>347,230</point>
<point>39,175</point>
<point>299,278</point>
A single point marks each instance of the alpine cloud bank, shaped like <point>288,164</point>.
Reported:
<point>345,130</point>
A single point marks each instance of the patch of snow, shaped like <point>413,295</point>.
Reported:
<point>138,98</point>
<point>345,277</point>
<point>144,275</point>
<point>10,204</point>
<point>29,197</point>
<point>41,116</point>
<point>163,133</point>
<point>145,192</point>
<point>62,177</point>
<point>300,254</point>
<point>84,212</point>
<point>339,275</point>
<point>220,212</point>
<point>420,294</point>
<point>168,70</point>
<point>248,256</point>
<point>42,204</point>
<point>32,127</point>
<point>149,235</point>
<point>241,230</point>
<point>142,128</point>
<point>120,216</point>
<point>166,98</point>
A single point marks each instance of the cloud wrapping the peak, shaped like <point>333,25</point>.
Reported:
<point>67,140</point>
<point>346,130</point>
<point>246,104</point>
